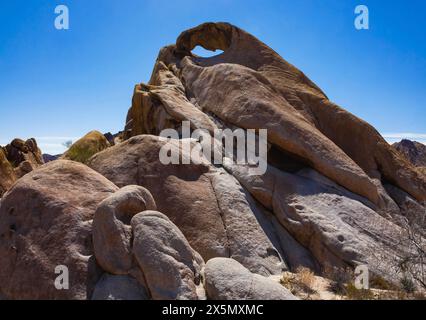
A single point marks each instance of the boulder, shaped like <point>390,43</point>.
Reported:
<point>336,227</point>
<point>83,149</point>
<point>172,269</point>
<point>24,156</point>
<point>45,222</point>
<point>112,287</point>
<point>207,204</point>
<point>111,227</point>
<point>226,279</point>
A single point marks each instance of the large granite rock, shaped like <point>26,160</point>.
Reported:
<point>208,205</point>
<point>172,269</point>
<point>226,279</point>
<point>250,86</point>
<point>335,194</point>
<point>111,227</point>
<point>330,174</point>
<point>45,222</point>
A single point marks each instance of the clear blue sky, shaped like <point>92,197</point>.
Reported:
<point>58,84</point>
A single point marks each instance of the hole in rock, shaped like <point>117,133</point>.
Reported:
<point>204,53</point>
<point>286,161</point>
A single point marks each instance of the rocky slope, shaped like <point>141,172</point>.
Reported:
<point>413,151</point>
<point>127,226</point>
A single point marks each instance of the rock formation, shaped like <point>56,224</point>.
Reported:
<point>413,151</point>
<point>7,175</point>
<point>83,149</point>
<point>129,227</point>
<point>250,86</point>
<point>45,222</point>
<point>226,279</point>
<point>329,175</point>
<point>16,160</point>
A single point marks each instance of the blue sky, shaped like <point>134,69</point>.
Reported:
<point>58,85</point>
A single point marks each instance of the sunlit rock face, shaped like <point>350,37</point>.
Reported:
<point>128,226</point>
<point>327,184</point>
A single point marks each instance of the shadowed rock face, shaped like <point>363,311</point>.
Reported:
<point>7,175</point>
<point>250,86</point>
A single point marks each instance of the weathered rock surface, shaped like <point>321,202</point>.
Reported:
<point>208,205</point>
<point>335,226</point>
<point>330,174</point>
<point>250,86</point>
<point>172,269</point>
<point>24,156</point>
<point>226,279</point>
<point>46,221</point>
<point>112,287</point>
<point>335,194</point>
<point>111,227</point>
<point>83,149</point>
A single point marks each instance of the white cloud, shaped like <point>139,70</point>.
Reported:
<point>53,145</point>
<point>396,137</point>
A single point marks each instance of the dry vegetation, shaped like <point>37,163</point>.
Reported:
<point>338,284</point>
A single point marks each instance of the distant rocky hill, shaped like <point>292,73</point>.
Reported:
<point>127,226</point>
<point>413,151</point>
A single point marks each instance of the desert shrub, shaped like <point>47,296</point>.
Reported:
<point>352,293</point>
<point>305,277</point>
<point>407,284</point>
<point>339,277</point>
<point>378,282</point>
<point>299,283</point>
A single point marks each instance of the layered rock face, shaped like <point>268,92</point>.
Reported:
<point>130,227</point>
